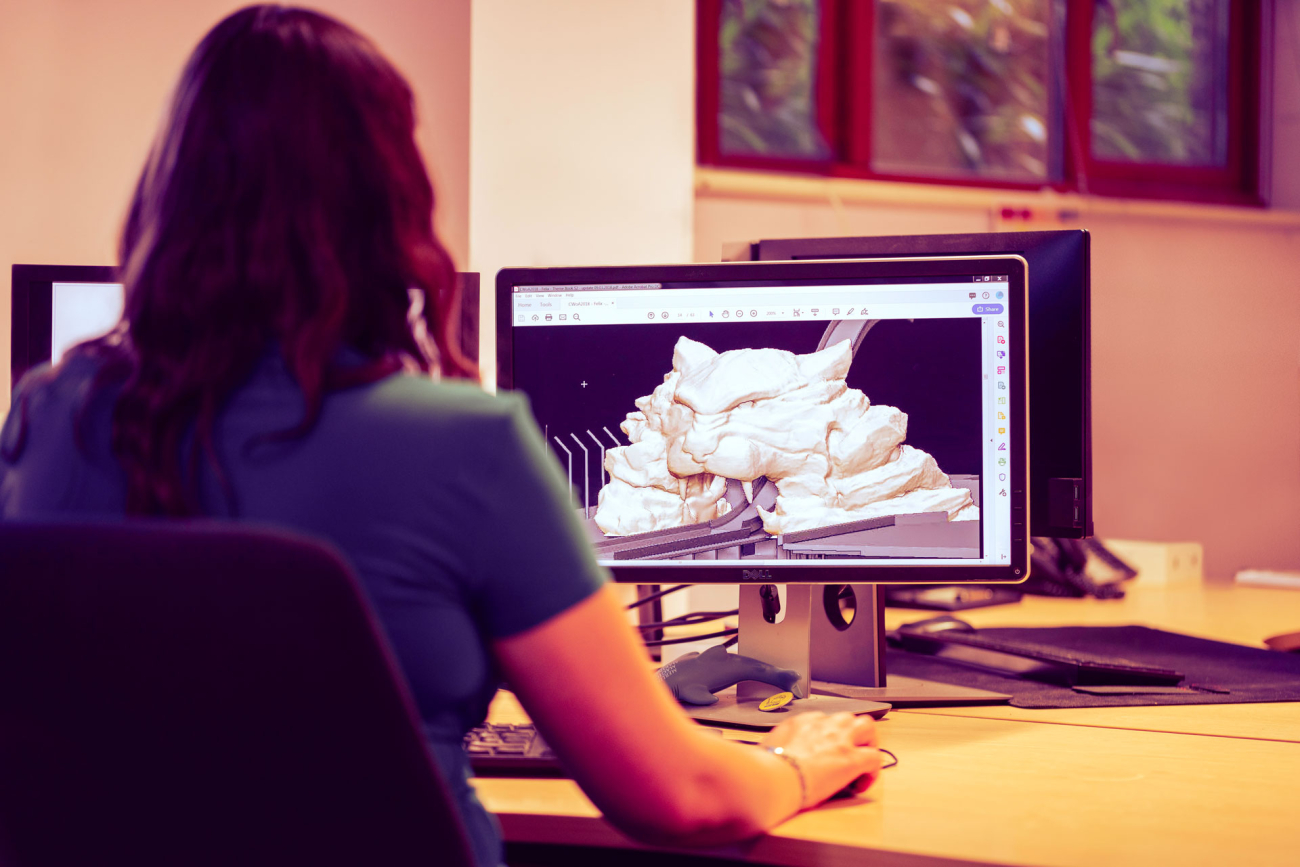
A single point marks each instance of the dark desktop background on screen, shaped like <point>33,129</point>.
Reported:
<point>587,377</point>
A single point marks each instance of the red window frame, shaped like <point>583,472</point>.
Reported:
<point>844,112</point>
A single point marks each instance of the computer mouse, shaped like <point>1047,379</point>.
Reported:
<point>942,623</point>
<point>848,791</point>
<point>1287,642</point>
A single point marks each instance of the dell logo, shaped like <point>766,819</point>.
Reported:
<point>755,574</point>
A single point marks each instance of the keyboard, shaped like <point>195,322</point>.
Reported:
<point>510,749</point>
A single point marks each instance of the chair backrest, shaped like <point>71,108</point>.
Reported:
<point>203,694</point>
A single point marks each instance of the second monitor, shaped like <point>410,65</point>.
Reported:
<point>1060,419</point>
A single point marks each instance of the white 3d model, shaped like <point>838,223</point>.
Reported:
<point>749,414</point>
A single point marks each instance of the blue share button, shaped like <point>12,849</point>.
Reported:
<point>982,309</point>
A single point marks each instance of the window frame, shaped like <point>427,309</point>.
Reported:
<point>846,122</point>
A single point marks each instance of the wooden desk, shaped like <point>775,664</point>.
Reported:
<point>1245,615</point>
<point>1187,785</point>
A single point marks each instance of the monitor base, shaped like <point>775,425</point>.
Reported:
<point>835,639</point>
<point>738,706</point>
<point>911,692</point>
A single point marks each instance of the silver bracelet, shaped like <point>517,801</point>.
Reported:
<point>780,753</point>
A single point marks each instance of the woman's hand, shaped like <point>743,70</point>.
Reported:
<point>831,752</point>
<point>584,678</point>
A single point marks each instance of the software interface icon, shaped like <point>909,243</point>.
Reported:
<point>824,421</point>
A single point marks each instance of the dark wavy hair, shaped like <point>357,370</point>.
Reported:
<point>284,203</point>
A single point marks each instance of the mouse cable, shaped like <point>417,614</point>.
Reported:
<point>658,594</point>
<point>663,641</point>
<point>690,619</point>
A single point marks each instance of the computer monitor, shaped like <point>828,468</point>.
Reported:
<point>798,423</point>
<point>55,307</point>
<point>1060,402</point>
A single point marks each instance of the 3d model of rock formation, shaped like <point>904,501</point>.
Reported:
<point>746,414</point>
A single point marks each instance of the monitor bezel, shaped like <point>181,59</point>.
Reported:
<point>664,572</point>
<point>31,306</point>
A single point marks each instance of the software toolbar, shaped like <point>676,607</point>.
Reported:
<point>589,305</point>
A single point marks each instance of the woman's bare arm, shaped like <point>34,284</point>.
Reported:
<point>584,679</point>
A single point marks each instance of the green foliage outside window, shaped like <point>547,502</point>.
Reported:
<point>961,88</point>
<point>768,59</point>
<point>1158,89</point>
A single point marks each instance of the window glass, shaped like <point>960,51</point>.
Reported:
<point>1159,81</point>
<point>962,88</point>
<point>767,54</point>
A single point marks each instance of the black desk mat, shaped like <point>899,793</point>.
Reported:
<point>1216,672</point>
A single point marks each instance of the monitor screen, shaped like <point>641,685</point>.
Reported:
<point>1060,391</point>
<point>81,311</point>
<point>790,422</point>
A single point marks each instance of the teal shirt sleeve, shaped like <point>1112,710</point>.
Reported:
<point>532,556</point>
<point>46,468</point>
<point>37,431</point>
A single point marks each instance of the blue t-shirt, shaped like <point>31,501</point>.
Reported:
<point>444,500</point>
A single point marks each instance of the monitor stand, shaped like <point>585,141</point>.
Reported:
<point>841,661</point>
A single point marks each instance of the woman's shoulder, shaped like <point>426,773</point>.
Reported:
<point>408,404</point>
<point>445,399</point>
<point>48,401</point>
<point>50,386</point>
<point>438,427</point>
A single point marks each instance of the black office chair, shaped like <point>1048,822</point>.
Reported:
<point>203,694</point>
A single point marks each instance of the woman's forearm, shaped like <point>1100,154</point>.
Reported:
<point>584,679</point>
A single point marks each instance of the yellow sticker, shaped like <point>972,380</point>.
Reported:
<point>775,702</point>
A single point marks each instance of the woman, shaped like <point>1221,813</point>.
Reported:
<point>268,368</point>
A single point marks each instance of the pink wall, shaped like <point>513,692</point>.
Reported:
<point>1196,388</point>
<point>83,84</point>
<point>583,137</point>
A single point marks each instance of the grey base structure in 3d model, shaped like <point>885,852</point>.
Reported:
<point>739,535</point>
